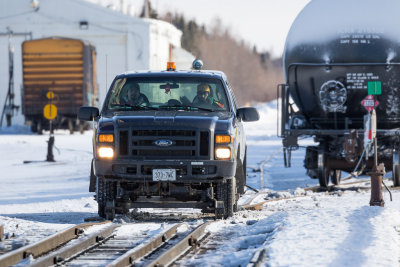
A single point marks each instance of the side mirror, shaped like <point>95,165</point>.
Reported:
<point>87,113</point>
<point>248,114</point>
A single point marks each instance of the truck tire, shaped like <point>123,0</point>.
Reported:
<point>226,192</point>
<point>92,179</point>
<point>240,183</point>
<point>100,197</point>
<point>231,206</point>
<point>241,175</point>
<point>105,195</point>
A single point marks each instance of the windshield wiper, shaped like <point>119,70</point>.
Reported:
<point>134,107</point>
<point>205,109</point>
<point>179,106</point>
<point>186,107</point>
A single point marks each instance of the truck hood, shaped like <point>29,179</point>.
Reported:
<point>220,121</point>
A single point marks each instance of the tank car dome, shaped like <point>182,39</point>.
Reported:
<point>345,31</point>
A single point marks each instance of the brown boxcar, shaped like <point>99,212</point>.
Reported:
<point>66,67</point>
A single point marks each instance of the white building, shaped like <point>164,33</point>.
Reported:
<point>122,42</point>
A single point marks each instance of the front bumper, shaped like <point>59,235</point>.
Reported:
<point>186,170</point>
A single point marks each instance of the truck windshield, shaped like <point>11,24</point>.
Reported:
<point>177,93</point>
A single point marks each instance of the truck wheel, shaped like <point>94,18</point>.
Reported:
<point>105,198</point>
<point>92,179</point>
<point>110,200</point>
<point>101,197</point>
<point>231,206</point>
<point>240,178</point>
<point>226,192</point>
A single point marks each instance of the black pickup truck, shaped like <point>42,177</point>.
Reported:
<point>169,139</point>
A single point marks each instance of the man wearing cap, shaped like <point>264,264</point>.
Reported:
<point>203,97</point>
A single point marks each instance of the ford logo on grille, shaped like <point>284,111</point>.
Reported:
<point>163,142</point>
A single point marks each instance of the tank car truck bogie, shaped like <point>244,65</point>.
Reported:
<point>330,67</point>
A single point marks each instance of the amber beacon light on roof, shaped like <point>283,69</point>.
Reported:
<point>171,66</point>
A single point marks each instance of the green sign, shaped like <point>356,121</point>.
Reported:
<point>374,88</point>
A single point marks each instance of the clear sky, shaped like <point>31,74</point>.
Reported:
<point>264,23</point>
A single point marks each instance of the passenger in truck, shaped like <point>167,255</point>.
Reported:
<point>133,97</point>
<point>204,98</point>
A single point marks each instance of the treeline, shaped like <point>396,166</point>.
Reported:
<point>253,75</point>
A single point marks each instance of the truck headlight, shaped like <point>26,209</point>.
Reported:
<point>223,153</point>
<point>106,152</point>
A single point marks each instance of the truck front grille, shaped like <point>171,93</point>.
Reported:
<point>156,144</point>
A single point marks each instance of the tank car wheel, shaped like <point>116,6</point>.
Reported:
<point>323,170</point>
<point>336,176</point>
<point>396,165</point>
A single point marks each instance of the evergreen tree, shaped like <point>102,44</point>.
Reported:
<point>152,12</point>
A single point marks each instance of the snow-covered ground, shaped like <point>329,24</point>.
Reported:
<point>38,199</point>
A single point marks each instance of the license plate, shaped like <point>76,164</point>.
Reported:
<point>164,175</point>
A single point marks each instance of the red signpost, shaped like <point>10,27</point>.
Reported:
<point>378,170</point>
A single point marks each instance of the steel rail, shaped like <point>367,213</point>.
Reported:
<point>258,206</point>
<point>136,253</point>
<point>45,245</point>
<point>183,246</point>
<point>66,253</point>
<point>258,258</point>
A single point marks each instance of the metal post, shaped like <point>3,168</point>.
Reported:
<point>50,143</point>
<point>1,232</point>
<point>377,172</point>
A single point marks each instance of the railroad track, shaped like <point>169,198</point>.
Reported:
<point>112,245</point>
<point>351,186</point>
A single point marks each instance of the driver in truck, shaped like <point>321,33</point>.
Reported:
<point>131,96</point>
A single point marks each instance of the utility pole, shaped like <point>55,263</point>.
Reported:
<point>9,106</point>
